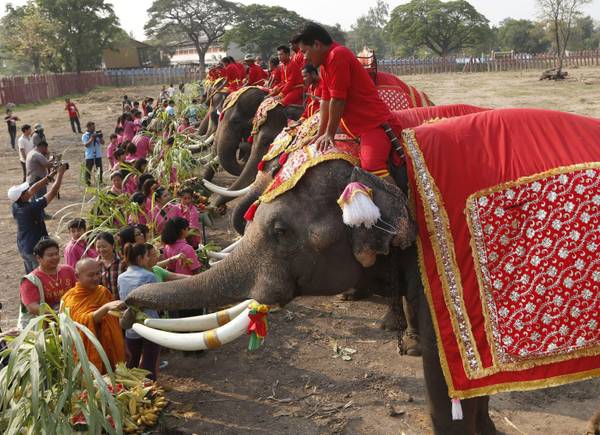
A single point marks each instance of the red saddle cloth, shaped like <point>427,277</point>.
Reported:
<point>508,207</point>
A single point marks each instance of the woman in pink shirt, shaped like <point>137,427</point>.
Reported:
<point>173,237</point>
<point>129,127</point>
<point>163,210</point>
<point>187,210</point>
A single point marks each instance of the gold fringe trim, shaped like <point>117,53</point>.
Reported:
<point>409,136</point>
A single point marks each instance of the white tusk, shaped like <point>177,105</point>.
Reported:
<point>212,339</point>
<point>217,255</point>
<point>231,247</point>
<point>224,192</point>
<point>212,262</point>
<point>198,323</point>
<point>210,139</point>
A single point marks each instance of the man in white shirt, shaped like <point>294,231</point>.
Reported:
<point>25,145</point>
<point>171,90</point>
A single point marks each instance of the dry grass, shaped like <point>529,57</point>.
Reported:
<point>580,93</point>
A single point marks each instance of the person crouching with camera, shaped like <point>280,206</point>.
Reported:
<point>93,141</point>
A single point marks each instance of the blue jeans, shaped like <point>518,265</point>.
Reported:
<point>30,262</point>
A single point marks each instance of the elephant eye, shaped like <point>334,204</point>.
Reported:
<point>279,230</point>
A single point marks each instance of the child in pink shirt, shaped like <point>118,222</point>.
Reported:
<point>77,247</point>
<point>111,148</point>
<point>173,237</point>
<point>119,159</point>
<point>116,179</point>
<point>187,210</point>
<point>119,133</point>
<point>142,144</point>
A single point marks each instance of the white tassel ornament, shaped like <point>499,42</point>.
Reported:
<point>457,413</point>
<point>357,206</point>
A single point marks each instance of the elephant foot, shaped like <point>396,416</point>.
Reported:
<point>389,322</point>
<point>354,295</point>
<point>409,343</point>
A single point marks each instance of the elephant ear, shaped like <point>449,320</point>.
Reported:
<point>394,224</point>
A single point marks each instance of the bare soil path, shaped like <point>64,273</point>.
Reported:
<point>295,384</point>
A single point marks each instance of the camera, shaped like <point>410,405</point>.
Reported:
<point>98,133</point>
<point>57,161</point>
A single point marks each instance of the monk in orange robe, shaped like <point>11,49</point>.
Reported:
<point>88,304</point>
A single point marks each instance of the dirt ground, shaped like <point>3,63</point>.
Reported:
<point>294,384</point>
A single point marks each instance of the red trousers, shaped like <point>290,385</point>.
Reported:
<point>375,147</point>
<point>294,97</point>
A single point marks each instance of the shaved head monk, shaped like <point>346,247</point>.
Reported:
<point>88,304</point>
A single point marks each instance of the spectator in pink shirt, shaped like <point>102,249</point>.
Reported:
<point>173,237</point>
<point>130,150</point>
<point>116,178</point>
<point>187,210</point>
<point>129,127</point>
<point>184,127</point>
<point>163,210</point>
<point>77,247</point>
<point>140,217</point>
<point>142,143</point>
<point>112,147</point>
<point>119,133</point>
<point>119,159</point>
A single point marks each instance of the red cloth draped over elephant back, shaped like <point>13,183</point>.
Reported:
<point>397,94</point>
<point>508,207</point>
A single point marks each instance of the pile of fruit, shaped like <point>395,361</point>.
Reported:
<point>143,400</point>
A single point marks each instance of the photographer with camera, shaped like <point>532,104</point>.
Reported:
<point>93,141</point>
<point>37,165</point>
<point>29,213</point>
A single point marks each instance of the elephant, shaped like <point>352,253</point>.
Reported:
<point>236,125</point>
<point>296,245</point>
<point>276,120</point>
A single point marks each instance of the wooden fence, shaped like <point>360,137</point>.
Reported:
<point>35,88</point>
<point>153,76</point>
<point>438,65</point>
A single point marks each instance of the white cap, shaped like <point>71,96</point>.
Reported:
<point>15,192</point>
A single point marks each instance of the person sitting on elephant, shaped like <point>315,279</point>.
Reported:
<point>174,237</point>
<point>233,73</point>
<point>291,86</point>
<point>350,100</point>
<point>256,75</point>
<point>312,85</point>
<point>275,74</point>
<point>297,56</point>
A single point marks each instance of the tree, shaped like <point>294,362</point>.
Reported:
<point>262,28</point>
<point>368,31</point>
<point>561,15</point>
<point>203,22</point>
<point>522,36</point>
<point>442,27</point>
<point>28,37</point>
<point>85,28</point>
<point>585,35</point>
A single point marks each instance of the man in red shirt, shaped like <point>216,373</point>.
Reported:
<point>350,100</point>
<point>71,109</point>
<point>312,84</point>
<point>233,73</point>
<point>292,86</point>
<point>47,283</point>
<point>297,56</point>
<point>275,75</point>
<point>256,75</point>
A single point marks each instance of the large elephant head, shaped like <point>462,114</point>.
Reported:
<point>296,245</point>
<point>276,121</point>
<point>236,125</point>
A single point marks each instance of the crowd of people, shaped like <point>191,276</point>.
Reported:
<point>101,268</point>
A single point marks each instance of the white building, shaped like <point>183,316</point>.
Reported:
<point>185,54</point>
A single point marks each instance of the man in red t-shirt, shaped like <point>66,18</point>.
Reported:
<point>292,86</point>
<point>256,75</point>
<point>47,283</point>
<point>312,83</point>
<point>71,109</point>
<point>350,100</point>
<point>275,75</point>
<point>233,73</point>
<point>297,56</point>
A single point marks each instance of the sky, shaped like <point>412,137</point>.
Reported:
<point>132,13</point>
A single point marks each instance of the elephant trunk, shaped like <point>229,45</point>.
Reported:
<point>276,121</point>
<point>237,217</point>
<point>227,141</point>
<point>227,282</point>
